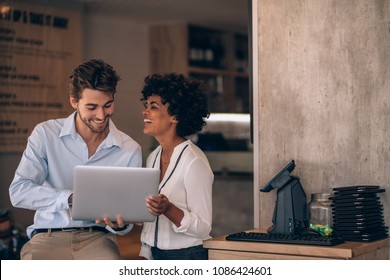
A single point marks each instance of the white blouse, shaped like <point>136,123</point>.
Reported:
<point>190,189</point>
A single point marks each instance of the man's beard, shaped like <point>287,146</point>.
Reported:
<point>89,124</point>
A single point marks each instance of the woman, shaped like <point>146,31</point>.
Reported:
<point>175,107</point>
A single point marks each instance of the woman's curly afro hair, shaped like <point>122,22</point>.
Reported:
<point>186,98</point>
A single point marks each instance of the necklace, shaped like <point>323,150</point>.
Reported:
<point>166,160</point>
<point>166,156</point>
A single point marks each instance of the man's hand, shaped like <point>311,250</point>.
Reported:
<point>118,225</point>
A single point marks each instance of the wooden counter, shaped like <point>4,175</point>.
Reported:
<point>222,249</point>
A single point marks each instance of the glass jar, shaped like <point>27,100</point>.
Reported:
<point>320,213</point>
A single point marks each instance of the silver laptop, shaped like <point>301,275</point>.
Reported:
<point>107,191</point>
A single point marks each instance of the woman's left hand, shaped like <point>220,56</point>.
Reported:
<point>157,205</point>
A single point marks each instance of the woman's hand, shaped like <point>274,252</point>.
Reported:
<point>157,205</point>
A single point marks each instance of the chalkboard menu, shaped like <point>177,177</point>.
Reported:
<point>39,47</point>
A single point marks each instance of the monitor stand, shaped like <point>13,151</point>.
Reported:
<point>291,212</point>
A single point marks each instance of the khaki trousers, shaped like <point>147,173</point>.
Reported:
<point>71,245</point>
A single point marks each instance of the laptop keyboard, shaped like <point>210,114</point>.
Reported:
<point>285,238</point>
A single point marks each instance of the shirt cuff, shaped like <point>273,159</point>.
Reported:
<point>185,222</point>
<point>64,198</point>
<point>123,231</point>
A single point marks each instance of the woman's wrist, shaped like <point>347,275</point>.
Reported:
<point>167,208</point>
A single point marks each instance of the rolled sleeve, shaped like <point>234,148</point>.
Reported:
<point>192,225</point>
<point>185,222</point>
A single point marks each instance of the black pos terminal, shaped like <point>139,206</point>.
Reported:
<point>290,218</point>
<point>291,212</point>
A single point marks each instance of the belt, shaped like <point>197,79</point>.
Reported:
<point>70,229</point>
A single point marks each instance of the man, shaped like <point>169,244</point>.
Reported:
<point>44,178</point>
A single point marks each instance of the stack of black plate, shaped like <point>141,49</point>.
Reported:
<point>358,213</point>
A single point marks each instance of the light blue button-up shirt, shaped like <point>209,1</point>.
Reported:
<point>44,178</point>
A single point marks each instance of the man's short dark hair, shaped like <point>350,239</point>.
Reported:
<point>93,74</point>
